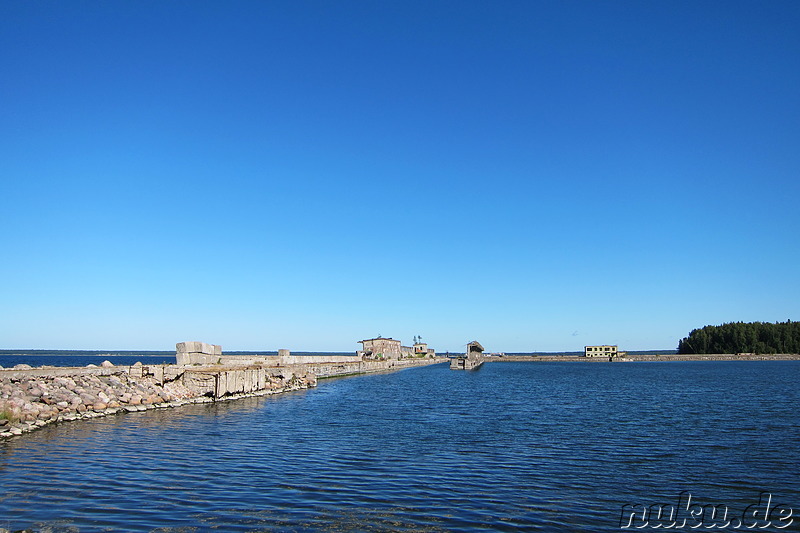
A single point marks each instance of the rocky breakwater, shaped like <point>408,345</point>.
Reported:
<point>31,398</point>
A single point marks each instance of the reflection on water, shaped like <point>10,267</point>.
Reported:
<point>513,446</point>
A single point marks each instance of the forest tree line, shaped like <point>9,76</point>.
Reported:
<point>743,337</point>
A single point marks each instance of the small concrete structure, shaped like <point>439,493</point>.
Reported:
<point>197,353</point>
<point>472,359</point>
<point>421,348</point>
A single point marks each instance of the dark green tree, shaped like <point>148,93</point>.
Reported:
<point>742,337</point>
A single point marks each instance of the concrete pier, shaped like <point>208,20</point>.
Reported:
<point>465,363</point>
<point>472,359</point>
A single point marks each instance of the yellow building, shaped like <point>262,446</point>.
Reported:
<point>605,350</point>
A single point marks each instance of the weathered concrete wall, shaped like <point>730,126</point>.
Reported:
<point>278,360</point>
<point>333,369</point>
<point>304,359</point>
<point>221,382</point>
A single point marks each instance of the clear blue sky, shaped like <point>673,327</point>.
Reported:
<point>537,175</point>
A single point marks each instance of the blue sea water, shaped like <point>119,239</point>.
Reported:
<point>509,447</point>
<point>37,358</point>
<point>10,358</point>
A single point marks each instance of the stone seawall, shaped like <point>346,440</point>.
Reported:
<point>31,398</point>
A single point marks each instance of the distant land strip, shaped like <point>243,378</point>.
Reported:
<point>649,358</point>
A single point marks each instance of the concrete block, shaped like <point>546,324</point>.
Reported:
<point>188,347</point>
<point>196,347</point>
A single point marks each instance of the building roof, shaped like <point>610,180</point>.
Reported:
<point>380,339</point>
<point>476,344</point>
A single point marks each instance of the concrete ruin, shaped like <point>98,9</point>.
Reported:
<point>197,353</point>
<point>383,348</point>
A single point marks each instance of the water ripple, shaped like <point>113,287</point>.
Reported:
<point>511,447</point>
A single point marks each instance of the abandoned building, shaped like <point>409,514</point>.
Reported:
<point>605,350</point>
<point>388,348</point>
